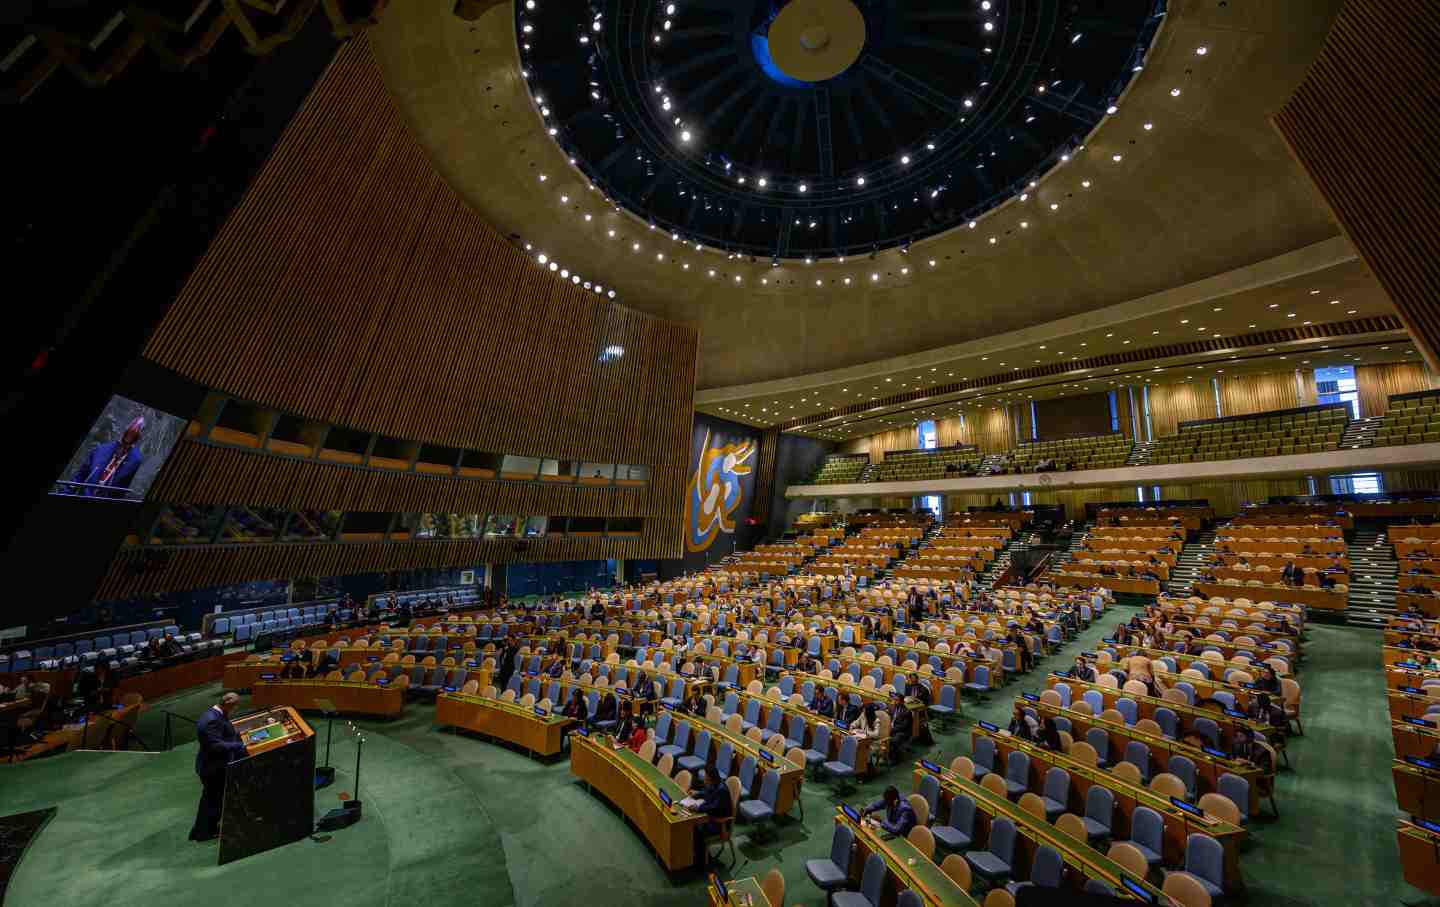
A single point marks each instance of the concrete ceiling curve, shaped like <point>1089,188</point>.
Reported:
<point>1209,188</point>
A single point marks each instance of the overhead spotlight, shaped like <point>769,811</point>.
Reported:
<point>685,135</point>
<point>905,159</point>
<point>542,258</point>
<point>1201,51</point>
<point>1112,109</point>
<point>762,182</point>
<point>1174,92</point>
<point>803,188</point>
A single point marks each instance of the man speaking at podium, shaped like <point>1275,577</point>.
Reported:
<point>219,746</point>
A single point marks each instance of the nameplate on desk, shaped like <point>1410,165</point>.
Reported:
<point>842,725</point>
<point>1267,645</point>
<point>987,726</point>
<point>1249,685</point>
<point>382,681</point>
<point>1408,664</point>
<point>1190,808</point>
<point>766,755</point>
<point>1111,640</point>
<point>582,730</point>
<point>1426,824</point>
<point>667,706</point>
<point>1137,889</point>
<point>1418,722</point>
<point>271,676</point>
<point>1087,654</point>
<point>1413,690</point>
<point>930,766</point>
<point>541,712</point>
<point>1235,713</point>
<point>451,689</point>
<point>850,812</point>
<point>1212,751</point>
<point>664,797</point>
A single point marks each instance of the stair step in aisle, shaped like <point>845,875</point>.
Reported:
<point>1139,454</point>
<point>1360,433</point>
<point>1194,558</point>
<point>1373,579</point>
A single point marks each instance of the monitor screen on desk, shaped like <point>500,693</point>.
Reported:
<point>1137,889</point>
<point>929,766</point>
<point>664,797</point>
<point>1419,722</point>
<point>850,812</point>
<point>987,726</point>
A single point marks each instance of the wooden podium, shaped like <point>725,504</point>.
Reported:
<point>270,794</point>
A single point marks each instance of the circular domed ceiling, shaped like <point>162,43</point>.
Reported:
<point>823,128</point>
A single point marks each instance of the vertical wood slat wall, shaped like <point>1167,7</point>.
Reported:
<point>353,286</point>
<point>1246,394</point>
<point>765,466</point>
<point>1374,384</point>
<point>1365,125</point>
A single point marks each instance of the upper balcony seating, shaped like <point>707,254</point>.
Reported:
<point>1102,452</point>
<point>1410,420</point>
<point>841,469</point>
<point>919,465</point>
<point>1310,430</point>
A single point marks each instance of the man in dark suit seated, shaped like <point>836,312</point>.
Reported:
<point>710,797</point>
<point>220,745</point>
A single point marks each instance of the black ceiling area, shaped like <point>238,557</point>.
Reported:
<point>676,110</point>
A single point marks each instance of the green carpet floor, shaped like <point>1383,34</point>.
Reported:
<point>453,819</point>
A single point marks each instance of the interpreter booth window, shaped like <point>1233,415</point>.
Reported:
<point>535,527</point>
<point>186,524</point>
<point>1336,384</point>
<point>597,472</point>
<point>312,525</point>
<point>625,473</point>
<point>252,524</point>
<point>444,525</point>
<point>513,467</point>
<point>559,470</point>
<point>932,503</point>
<point>501,525</point>
<point>1357,483</point>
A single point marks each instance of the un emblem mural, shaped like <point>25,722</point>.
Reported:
<point>716,491</point>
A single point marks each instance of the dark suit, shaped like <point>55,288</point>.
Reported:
<point>219,746</point>
<point>715,804</point>
<point>100,455</point>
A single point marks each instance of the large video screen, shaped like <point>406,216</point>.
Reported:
<point>122,453</point>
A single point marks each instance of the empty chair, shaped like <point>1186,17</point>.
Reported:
<point>752,715</point>
<point>1047,870</point>
<point>959,832</point>
<point>994,863</point>
<point>983,757</point>
<point>1017,773</point>
<point>1129,708</point>
<point>1208,731</point>
<point>930,791</point>
<point>697,760</point>
<point>755,812</point>
<point>1238,790</point>
<point>1056,792</point>
<point>1205,863</point>
<point>980,683</point>
<point>1099,812</point>
<point>1169,722</point>
<point>1130,857</point>
<point>945,707</point>
<point>844,766</point>
<point>832,873</point>
<point>1147,834</point>
<point>820,747</point>
<point>681,745</point>
<point>1185,890</point>
<point>923,840</point>
<point>872,884</point>
<point>1138,755</point>
<point>1095,700</point>
<point>1183,768</point>
<point>1100,740</point>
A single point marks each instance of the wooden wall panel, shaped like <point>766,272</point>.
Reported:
<point>1365,125</point>
<point>1171,404</point>
<point>1245,394</point>
<point>1375,383</point>
<point>201,474</point>
<point>765,474</point>
<point>353,286</point>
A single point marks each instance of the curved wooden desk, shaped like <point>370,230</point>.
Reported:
<point>632,784</point>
